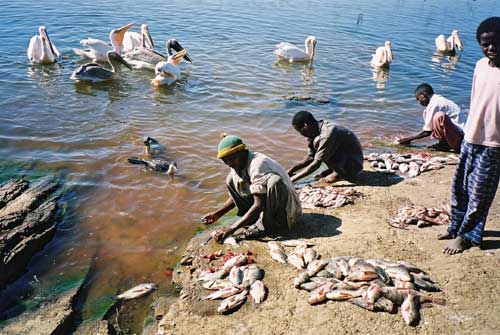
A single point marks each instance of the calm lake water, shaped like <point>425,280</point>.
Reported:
<point>137,222</point>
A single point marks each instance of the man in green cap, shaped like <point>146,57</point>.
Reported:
<point>258,187</point>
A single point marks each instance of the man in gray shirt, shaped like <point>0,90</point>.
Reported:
<point>334,145</point>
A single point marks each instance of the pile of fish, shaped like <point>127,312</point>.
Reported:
<point>409,165</point>
<point>421,216</point>
<point>378,285</point>
<point>326,196</point>
<point>233,280</point>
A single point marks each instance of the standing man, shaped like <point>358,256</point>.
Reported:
<point>334,145</point>
<point>478,172</point>
<point>443,119</point>
<point>258,187</point>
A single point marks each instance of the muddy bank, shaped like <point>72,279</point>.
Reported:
<point>470,282</point>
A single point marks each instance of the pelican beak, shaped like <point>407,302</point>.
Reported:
<point>121,60</point>
<point>178,56</point>
<point>119,34</point>
<point>46,36</point>
<point>459,43</point>
<point>174,44</point>
<point>148,37</point>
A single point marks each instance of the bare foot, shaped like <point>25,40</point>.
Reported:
<point>333,178</point>
<point>445,236</point>
<point>457,245</point>
<point>322,174</point>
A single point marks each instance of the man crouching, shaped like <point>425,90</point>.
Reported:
<point>259,188</point>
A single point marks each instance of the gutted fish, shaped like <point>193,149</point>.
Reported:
<point>137,291</point>
<point>232,302</point>
<point>217,284</point>
<point>296,261</point>
<point>315,266</point>
<point>410,311</point>
<point>222,294</point>
<point>257,292</point>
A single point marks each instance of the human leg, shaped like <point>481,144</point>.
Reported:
<point>274,218</point>
<point>446,132</point>
<point>242,202</point>
<point>481,189</point>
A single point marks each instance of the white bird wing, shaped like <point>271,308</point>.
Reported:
<point>441,43</point>
<point>35,48</point>
<point>98,46</point>
<point>289,51</point>
<point>131,40</point>
<point>57,53</point>
<point>379,57</point>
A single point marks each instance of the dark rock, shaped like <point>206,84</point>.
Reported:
<point>11,190</point>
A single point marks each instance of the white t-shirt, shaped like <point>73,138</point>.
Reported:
<point>483,124</point>
<point>438,103</point>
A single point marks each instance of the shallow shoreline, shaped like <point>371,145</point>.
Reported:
<point>470,281</point>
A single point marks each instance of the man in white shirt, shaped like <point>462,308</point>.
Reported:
<point>443,119</point>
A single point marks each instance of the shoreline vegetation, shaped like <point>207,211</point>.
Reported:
<point>469,282</point>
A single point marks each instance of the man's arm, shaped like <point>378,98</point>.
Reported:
<point>215,215</point>
<point>249,218</point>
<point>407,140</point>
<point>305,162</point>
<point>313,166</point>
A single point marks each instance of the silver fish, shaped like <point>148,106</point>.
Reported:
<point>217,284</point>
<point>278,255</point>
<point>374,292</point>
<point>137,291</point>
<point>334,268</point>
<point>232,302</point>
<point>426,285</point>
<point>231,241</point>
<point>257,292</point>
<point>302,278</point>
<point>403,284</point>
<point>411,267</point>
<point>275,245</point>
<point>409,310</point>
<point>324,274</point>
<point>319,295</point>
<point>383,305</point>
<point>251,274</point>
<point>234,261</point>
<point>236,276</point>
<point>315,266</point>
<point>340,295</point>
<point>210,276</point>
<point>309,255</point>
<point>296,261</point>
<point>222,294</point>
<point>398,272</point>
<point>294,243</point>
<point>310,286</point>
<point>300,249</point>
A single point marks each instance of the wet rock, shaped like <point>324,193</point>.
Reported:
<point>54,318</point>
<point>161,307</point>
<point>11,190</point>
<point>319,100</point>
<point>26,225</point>
<point>100,327</point>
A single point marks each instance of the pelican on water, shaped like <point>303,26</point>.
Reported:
<point>132,40</point>
<point>448,45</point>
<point>291,53</point>
<point>382,56</point>
<point>41,49</point>
<point>96,73</point>
<point>168,72</point>
<point>143,57</point>
<point>98,50</point>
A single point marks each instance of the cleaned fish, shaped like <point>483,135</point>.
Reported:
<point>374,292</point>
<point>300,250</point>
<point>324,274</point>
<point>210,276</point>
<point>403,284</point>
<point>410,311</point>
<point>217,284</point>
<point>334,268</point>
<point>257,292</point>
<point>426,285</point>
<point>383,305</point>
<point>411,267</point>
<point>296,261</point>
<point>315,266</point>
<point>231,241</point>
<point>360,275</point>
<point>278,255</point>
<point>222,294</point>
<point>340,295</point>
<point>232,302</point>
<point>137,291</point>
<point>238,260</point>
<point>310,286</point>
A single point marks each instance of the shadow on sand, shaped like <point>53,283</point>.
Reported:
<point>491,244</point>
<point>312,225</point>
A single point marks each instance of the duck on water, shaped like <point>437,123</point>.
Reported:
<point>154,148</point>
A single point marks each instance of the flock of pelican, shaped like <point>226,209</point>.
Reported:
<point>133,49</point>
<point>130,49</point>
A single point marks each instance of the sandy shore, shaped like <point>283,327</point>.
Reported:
<point>470,281</point>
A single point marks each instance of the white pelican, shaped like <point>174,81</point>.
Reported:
<point>132,40</point>
<point>96,73</point>
<point>382,56</point>
<point>168,72</point>
<point>448,45</point>
<point>291,53</point>
<point>143,57</point>
<point>41,49</point>
<point>98,50</point>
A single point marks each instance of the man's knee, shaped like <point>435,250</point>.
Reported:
<point>439,117</point>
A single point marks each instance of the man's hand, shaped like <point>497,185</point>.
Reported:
<point>210,218</point>
<point>402,141</point>
<point>222,234</point>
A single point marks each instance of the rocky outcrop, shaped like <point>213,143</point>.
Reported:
<point>26,223</point>
<point>54,318</point>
